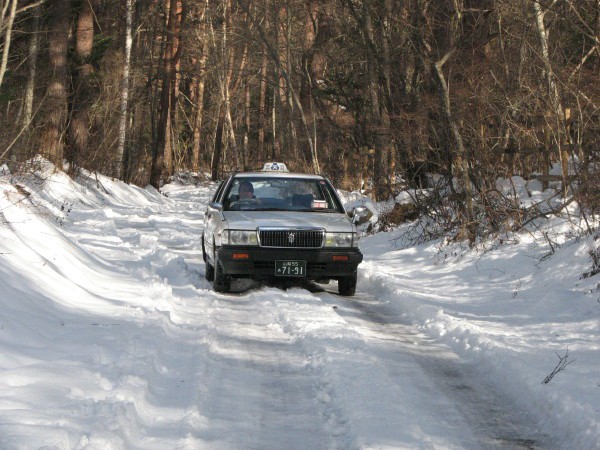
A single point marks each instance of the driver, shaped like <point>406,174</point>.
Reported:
<point>246,190</point>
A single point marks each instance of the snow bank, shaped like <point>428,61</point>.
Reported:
<point>510,310</point>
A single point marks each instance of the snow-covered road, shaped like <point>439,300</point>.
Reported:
<point>448,390</point>
<point>111,338</point>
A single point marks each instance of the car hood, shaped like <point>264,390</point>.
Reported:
<point>251,220</point>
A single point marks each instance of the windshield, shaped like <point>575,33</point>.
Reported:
<point>280,194</point>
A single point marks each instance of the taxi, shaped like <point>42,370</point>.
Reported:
<point>276,224</point>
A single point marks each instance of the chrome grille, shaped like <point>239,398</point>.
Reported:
<point>291,238</point>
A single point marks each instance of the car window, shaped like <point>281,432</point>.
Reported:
<point>281,194</point>
<point>218,191</point>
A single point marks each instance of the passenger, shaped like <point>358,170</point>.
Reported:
<point>303,196</point>
<point>246,190</point>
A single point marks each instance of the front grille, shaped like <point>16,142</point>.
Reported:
<point>291,238</point>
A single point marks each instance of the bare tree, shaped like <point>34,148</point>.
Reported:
<point>262,105</point>
<point>377,117</point>
<point>32,57</point>
<point>121,158</point>
<point>553,92</point>
<point>7,34</point>
<point>363,91</point>
<point>52,142</point>
<point>168,84</point>
<point>79,125</point>
<point>198,84</point>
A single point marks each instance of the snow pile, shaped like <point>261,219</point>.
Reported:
<point>514,310</point>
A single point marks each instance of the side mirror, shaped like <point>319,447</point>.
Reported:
<point>359,213</point>
<point>216,205</point>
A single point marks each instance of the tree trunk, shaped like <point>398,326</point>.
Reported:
<point>7,39</point>
<point>162,136</point>
<point>171,127</point>
<point>389,109</point>
<point>121,162</point>
<point>218,150</point>
<point>292,135</point>
<point>230,129</point>
<point>246,157</point>
<point>461,159</point>
<point>313,66</point>
<point>378,121</point>
<point>79,124</point>
<point>280,139</point>
<point>198,86</point>
<point>557,109</point>
<point>56,97</point>
<point>228,94</point>
<point>262,101</point>
<point>34,48</point>
<point>199,107</point>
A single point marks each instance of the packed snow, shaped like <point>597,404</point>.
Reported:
<point>111,338</point>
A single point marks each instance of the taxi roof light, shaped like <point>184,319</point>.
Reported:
<point>275,167</point>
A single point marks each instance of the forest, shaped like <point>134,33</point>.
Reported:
<point>437,96</point>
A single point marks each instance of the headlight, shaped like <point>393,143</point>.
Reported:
<point>340,239</point>
<point>239,237</point>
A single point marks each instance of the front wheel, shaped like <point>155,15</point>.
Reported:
<point>209,272</point>
<point>222,282</point>
<point>347,285</point>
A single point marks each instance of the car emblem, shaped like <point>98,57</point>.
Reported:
<point>291,238</point>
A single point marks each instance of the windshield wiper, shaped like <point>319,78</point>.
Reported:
<point>271,209</point>
<point>328,210</point>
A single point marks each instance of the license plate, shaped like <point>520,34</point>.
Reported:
<point>290,268</point>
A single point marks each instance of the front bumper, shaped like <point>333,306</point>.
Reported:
<point>260,261</point>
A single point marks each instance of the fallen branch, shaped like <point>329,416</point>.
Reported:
<point>562,364</point>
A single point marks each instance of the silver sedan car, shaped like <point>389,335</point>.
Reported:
<point>275,224</point>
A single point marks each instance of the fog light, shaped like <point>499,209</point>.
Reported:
<point>240,256</point>
<point>340,257</point>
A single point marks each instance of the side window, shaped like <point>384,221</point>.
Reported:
<point>220,189</point>
<point>232,195</point>
<point>217,192</point>
<point>327,191</point>
<point>316,192</point>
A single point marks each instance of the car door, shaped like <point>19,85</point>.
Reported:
<point>214,219</point>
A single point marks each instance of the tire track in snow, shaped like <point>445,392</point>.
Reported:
<point>262,390</point>
<point>490,420</point>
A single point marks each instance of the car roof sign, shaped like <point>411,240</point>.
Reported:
<point>275,167</point>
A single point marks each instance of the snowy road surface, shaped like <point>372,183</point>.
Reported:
<point>112,339</point>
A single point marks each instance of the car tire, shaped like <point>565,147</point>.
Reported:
<point>209,271</point>
<point>347,285</point>
<point>222,282</point>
